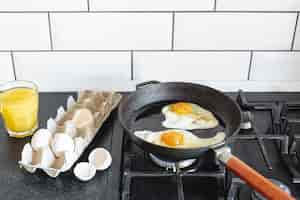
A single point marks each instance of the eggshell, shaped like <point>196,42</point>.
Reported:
<point>26,156</point>
<point>52,172</point>
<point>70,129</point>
<point>70,102</point>
<point>41,139</point>
<point>65,161</point>
<point>100,158</point>
<point>46,157</point>
<point>84,171</point>
<point>60,113</point>
<point>80,145</point>
<point>90,104</point>
<point>70,158</point>
<point>51,125</point>
<point>58,163</point>
<point>61,143</point>
<point>83,118</point>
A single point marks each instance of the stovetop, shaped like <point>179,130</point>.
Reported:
<point>269,145</point>
<point>133,175</point>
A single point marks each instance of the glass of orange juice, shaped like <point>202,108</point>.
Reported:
<point>19,102</point>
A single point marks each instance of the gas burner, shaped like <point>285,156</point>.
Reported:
<point>257,196</point>
<point>247,119</point>
<point>268,139</point>
<point>172,165</point>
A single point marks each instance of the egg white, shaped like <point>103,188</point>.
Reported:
<point>190,140</point>
<point>188,122</point>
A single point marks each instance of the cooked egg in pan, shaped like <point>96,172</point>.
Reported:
<point>188,116</point>
<point>179,138</point>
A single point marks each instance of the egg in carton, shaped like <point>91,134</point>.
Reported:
<point>57,148</point>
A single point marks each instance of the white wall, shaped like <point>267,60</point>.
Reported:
<point>67,45</point>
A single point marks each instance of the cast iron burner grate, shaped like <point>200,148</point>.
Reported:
<point>142,179</point>
<point>281,130</point>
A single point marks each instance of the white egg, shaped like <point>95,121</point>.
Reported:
<point>41,139</point>
<point>179,138</point>
<point>62,143</point>
<point>188,116</point>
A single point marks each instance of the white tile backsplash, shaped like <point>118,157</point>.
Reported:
<point>110,31</point>
<point>234,31</point>
<point>259,5</point>
<point>43,5</point>
<point>276,66</point>
<point>6,68</point>
<point>74,44</point>
<point>297,37</point>
<point>190,66</point>
<point>75,70</point>
<point>153,5</point>
<point>20,31</point>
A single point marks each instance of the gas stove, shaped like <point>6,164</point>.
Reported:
<point>269,141</point>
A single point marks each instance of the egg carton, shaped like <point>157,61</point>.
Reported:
<point>56,148</point>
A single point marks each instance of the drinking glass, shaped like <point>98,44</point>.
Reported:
<point>19,102</point>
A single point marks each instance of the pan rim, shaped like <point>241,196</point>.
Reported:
<point>162,148</point>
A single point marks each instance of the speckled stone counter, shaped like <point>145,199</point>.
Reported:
<point>18,184</point>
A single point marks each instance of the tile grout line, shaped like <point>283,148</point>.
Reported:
<point>131,65</point>
<point>50,32</point>
<point>250,65</point>
<point>13,64</point>
<point>162,11</point>
<point>215,5</point>
<point>88,5</point>
<point>173,31</point>
<point>151,50</point>
<point>295,32</point>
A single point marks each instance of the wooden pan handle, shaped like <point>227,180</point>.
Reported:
<point>256,181</point>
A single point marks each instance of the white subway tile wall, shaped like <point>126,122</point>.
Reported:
<point>6,69</point>
<point>74,70</point>
<point>110,31</point>
<point>297,37</point>
<point>228,44</point>
<point>153,5</point>
<point>234,31</point>
<point>190,66</point>
<point>20,31</point>
<point>43,5</point>
<point>259,5</point>
<point>275,66</point>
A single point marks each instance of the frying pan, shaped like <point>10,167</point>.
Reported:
<point>141,104</point>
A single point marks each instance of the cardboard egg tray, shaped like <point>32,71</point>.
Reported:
<point>99,103</point>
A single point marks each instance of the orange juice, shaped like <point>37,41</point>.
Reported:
<point>19,109</point>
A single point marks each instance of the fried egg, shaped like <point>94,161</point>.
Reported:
<point>188,116</point>
<point>179,138</point>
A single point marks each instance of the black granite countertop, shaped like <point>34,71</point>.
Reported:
<point>18,184</point>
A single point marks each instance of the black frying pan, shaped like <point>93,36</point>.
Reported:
<point>147,101</point>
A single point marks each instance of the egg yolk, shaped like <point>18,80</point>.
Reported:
<point>181,108</point>
<point>172,138</point>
